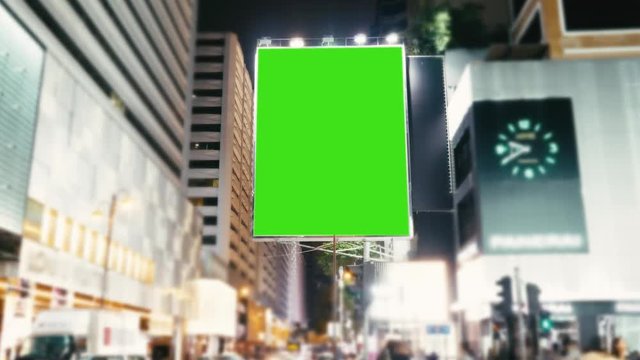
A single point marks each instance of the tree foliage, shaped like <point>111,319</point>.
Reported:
<point>442,27</point>
<point>325,259</point>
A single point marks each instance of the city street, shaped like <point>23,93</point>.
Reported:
<point>319,179</point>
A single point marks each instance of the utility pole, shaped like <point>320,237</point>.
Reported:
<point>107,261</point>
<point>335,298</point>
<point>520,315</point>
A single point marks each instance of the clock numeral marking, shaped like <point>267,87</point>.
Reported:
<point>537,127</point>
<point>550,160</point>
<point>501,149</point>
<point>548,135</point>
<point>529,173</point>
<point>524,124</point>
<point>511,127</point>
<point>503,137</point>
<point>515,170</point>
<point>553,148</point>
<point>542,169</point>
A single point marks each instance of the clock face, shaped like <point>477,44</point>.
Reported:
<point>526,149</point>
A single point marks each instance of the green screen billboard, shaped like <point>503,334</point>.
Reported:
<point>330,142</point>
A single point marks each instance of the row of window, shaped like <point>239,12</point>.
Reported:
<point>204,183</point>
<point>206,110</point>
<point>52,229</point>
<point>204,164</point>
<point>210,42</point>
<point>99,79</point>
<point>206,127</point>
<point>209,201</point>
<point>208,76</point>
<point>208,92</point>
<point>205,145</point>
<point>209,58</point>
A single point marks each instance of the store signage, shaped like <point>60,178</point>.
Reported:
<point>42,264</point>
<point>438,330</point>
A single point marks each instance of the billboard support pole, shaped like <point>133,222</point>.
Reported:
<point>335,300</point>
<point>365,322</point>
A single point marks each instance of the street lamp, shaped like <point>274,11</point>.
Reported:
<point>296,42</point>
<point>392,38</point>
<point>245,291</point>
<point>124,200</point>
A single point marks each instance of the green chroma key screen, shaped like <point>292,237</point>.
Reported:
<point>331,151</point>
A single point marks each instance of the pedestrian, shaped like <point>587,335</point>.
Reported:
<point>619,348</point>
<point>467,353</point>
<point>570,351</point>
<point>594,351</point>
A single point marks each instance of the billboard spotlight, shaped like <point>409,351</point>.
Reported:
<point>265,41</point>
<point>328,41</point>
<point>296,42</point>
<point>360,39</point>
<point>392,38</point>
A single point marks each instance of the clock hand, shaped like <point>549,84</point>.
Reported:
<point>515,150</point>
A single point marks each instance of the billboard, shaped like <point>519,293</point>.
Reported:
<point>331,143</point>
<point>529,191</point>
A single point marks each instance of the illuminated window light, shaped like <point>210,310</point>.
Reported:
<point>296,42</point>
<point>360,39</point>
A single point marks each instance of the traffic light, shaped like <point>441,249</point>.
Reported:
<point>533,302</point>
<point>546,324</point>
<point>505,306</point>
<point>533,299</point>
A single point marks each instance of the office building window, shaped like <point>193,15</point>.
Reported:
<point>204,164</point>
<point>205,127</point>
<point>79,241</point>
<point>205,146</point>
<point>210,220</point>
<point>67,235</point>
<point>209,240</point>
<point>32,227</point>
<point>210,42</point>
<point>204,183</point>
<point>208,92</point>
<point>53,225</point>
<point>210,201</point>
<point>209,58</point>
<point>207,110</point>
<point>208,76</point>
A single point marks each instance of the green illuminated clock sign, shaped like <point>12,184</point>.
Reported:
<point>528,180</point>
<point>526,149</point>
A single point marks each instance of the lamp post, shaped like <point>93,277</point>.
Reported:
<point>105,268</point>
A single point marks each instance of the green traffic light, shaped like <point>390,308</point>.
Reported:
<point>546,324</point>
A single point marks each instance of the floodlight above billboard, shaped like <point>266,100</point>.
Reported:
<point>331,143</point>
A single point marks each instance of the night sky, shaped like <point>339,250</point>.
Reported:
<point>253,19</point>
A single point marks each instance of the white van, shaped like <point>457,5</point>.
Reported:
<point>72,334</point>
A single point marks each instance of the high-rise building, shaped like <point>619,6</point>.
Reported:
<point>575,29</point>
<point>94,106</point>
<point>220,184</point>
<point>220,171</point>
